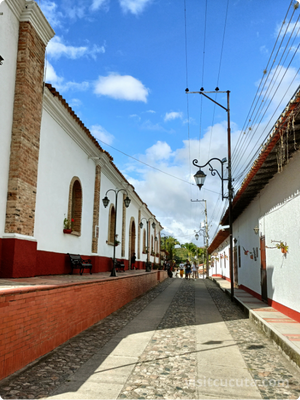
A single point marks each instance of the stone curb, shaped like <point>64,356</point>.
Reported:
<point>287,347</point>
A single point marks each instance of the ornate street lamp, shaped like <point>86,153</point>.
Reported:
<point>148,264</point>
<point>200,175</point>
<point>105,202</point>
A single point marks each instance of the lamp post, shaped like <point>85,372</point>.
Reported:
<point>105,202</point>
<point>206,235</point>
<point>148,267</point>
<point>200,175</point>
<point>163,239</point>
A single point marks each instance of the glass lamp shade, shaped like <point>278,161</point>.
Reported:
<point>127,201</point>
<point>141,225</point>
<point>200,178</point>
<point>105,201</point>
<point>156,238</point>
<point>153,225</point>
<point>197,236</point>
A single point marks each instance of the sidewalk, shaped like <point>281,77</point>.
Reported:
<point>56,280</point>
<point>284,331</point>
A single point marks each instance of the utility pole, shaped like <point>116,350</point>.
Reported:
<point>206,234</point>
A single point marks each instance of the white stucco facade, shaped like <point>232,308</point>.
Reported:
<point>67,153</point>
<point>276,211</point>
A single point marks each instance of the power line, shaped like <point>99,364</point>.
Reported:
<point>248,119</point>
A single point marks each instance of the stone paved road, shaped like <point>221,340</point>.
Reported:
<point>168,366</point>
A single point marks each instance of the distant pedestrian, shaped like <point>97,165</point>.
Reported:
<point>181,269</point>
<point>188,269</point>
<point>133,258</point>
<point>195,270</point>
<point>169,269</point>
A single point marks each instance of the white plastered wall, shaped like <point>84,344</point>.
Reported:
<point>61,159</point>
<point>221,267</point>
<point>9,32</point>
<point>276,210</point>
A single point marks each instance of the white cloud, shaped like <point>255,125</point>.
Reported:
<point>97,4</point>
<point>151,111</point>
<point>153,127</point>
<point>121,87</point>
<point>75,11</point>
<point>59,82</point>
<point>292,27</point>
<point>263,49</point>
<point>51,13</point>
<point>56,49</point>
<point>51,75</point>
<point>173,115</point>
<point>134,6</point>
<point>100,133</point>
<point>75,103</point>
<point>159,151</point>
<point>135,116</point>
<point>169,194</point>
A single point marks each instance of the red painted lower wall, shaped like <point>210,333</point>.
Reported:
<point>21,259</point>
<point>35,321</point>
<point>221,276</point>
<point>18,258</point>
<point>250,291</point>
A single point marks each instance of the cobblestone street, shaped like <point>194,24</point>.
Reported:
<point>171,365</point>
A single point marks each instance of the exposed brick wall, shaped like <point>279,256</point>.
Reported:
<point>37,320</point>
<point>139,236</point>
<point>96,208</point>
<point>123,227</point>
<point>25,140</point>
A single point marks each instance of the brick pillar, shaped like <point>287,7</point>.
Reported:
<point>34,33</point>
<point>123,227</point>
<point>96,209</point>
<point>139,236</point>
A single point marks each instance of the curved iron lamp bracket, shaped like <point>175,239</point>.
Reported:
<point>215,171</point>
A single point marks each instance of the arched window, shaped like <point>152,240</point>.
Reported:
<point>111,224</point>
<point>75,205</point>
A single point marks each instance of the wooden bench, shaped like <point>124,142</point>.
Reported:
<point>120,266</point>
<point>78,263</point>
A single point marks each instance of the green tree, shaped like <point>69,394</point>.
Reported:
<point>191,249</point>
<point>168,244</point>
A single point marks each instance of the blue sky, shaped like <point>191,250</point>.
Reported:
<point>124,65</point>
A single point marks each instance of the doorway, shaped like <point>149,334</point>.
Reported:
<point>235,267</point>
<point>263,269</point>
<point>132,236</point>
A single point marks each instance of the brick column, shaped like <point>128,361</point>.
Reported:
<point>96,209</point>
<point>139,236</point>
<point>34,34</point>
<point>123,226</point>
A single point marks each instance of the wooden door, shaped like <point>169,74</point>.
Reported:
<point>235,267</point>
<point>263,269</point>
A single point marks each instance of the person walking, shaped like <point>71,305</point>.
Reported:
<point>181,269</point>
<point>187,269</point>
<point>133,258</point>
<point>195,270</point>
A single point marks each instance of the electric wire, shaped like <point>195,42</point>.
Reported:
<point>247,169</point>
<point>271,118</point>
<point>270,87</point>
<point>236,150</point>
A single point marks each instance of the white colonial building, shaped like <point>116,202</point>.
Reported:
<point>266,214</point>
<point>53,169</point>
